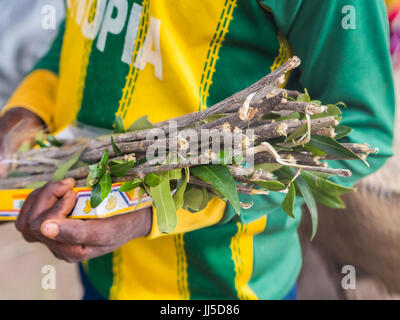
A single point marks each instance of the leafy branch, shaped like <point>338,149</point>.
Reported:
<point>292,137</point>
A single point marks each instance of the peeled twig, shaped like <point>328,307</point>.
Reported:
<point>265,146</point>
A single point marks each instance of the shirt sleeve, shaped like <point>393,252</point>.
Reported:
<point>37,92</point>
<point>344,48</point>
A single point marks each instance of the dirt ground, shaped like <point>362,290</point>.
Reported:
<point>21,266</point>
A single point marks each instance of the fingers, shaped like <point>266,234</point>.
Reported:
<point>77,253</point>
<point>68,253</point>
<point>43,218</point>
<point>92,232</point>
<point>22,224</point>
<point>110,232</point>
<point>58,211</point>
<point>49,195</point>
<point>41,200</point>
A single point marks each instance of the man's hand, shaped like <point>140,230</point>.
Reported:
<point>17,126</point>
<point>43,218</point>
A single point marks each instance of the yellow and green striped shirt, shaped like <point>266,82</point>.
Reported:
<point>165,58</point>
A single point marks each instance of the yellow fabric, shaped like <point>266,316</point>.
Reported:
<point>242,255</point>
<point>73,63</point>
<point>147,269</point>
<point>36,93</point>
<point>183,61</point>
<point>188,221</point>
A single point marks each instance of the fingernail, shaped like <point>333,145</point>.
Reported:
<point>50,230</point>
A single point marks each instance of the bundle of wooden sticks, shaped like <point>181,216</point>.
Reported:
<point>261,133</point>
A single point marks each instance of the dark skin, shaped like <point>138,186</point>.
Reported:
<point>17,126</point>
<point>43,217</point>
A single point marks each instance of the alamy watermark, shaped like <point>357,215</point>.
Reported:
<point>349,280</point>
<point>49,21</point>
<point>49,277</point>
<point>349,19</point>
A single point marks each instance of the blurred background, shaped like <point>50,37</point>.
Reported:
<point>366,235</point>
<point>24,37</point>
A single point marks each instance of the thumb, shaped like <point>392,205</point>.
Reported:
<point>49,222</point>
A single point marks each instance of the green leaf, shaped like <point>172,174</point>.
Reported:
<point>41,144</point>
<point>63,169</point>
<point>305,97</point>
<point>96,172</point>
<point>284,175</point>
<point>116,149</point>
<point>18,174</point>
<point>53,141</point>
<point>316,181</point>
<point>214,117</point>
<point>120,168</point>
<point>342,131</point>
<point>105,184</point>
<point>141,124</point>
<point>341,103</point>
<point>221,180</point>
<point>35,185</point>
<point>39,140</point>
<point>237,159</point>
<point>196,199</point>
<point>328,200</point>
<point>288,202</point>
<point>333,148</point>
<point>325,191</point>
<point>141,193</point>
<point>175,174</point>
<point>294,115</point>
<point>268,167</point>
<point>80,164</point>
<point>96,197</point>
<point>180,192</point>
<point>94,176</point>
<point>104,159</point>
<point>116,162</point>
<point>152,180</point>
<point>314,150</point>
<point>271,185</point>
<point>322,175</point>
<point>130,185</point>
<point>299,132</point>
<point>164,203</point>
<point>224,157</point>
<point>304,189</point>
<point>332,111</point>
<point>119,125</point>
